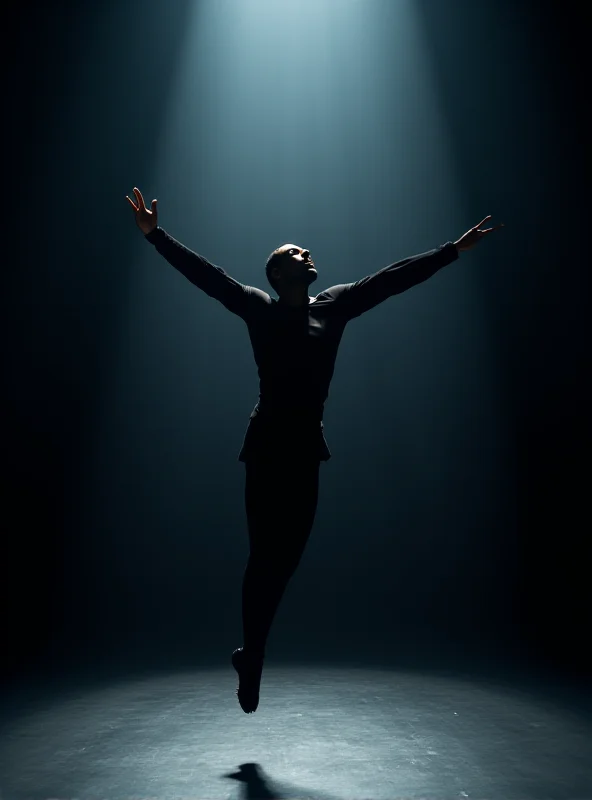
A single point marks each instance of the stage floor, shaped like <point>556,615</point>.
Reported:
<point>320,733</point>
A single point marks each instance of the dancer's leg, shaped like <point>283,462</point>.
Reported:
<point>281,502</point>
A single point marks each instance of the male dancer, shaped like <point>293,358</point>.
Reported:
<point>295,341</point>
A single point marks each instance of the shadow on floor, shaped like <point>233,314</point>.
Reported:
<point>256,785</point>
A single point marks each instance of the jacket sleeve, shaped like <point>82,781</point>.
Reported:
<point>213,280</point>
<point>354,299</point>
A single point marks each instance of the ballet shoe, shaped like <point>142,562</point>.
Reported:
<point>249,669</point>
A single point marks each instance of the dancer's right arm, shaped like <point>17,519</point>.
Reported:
<point>211,279</point>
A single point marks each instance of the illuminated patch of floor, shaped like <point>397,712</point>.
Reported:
<point>319,734</point>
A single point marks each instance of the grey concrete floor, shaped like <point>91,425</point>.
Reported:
<point>320,733</point>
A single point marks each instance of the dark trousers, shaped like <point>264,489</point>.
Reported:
<point>281,502</point>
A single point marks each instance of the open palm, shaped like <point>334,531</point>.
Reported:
<point>146,219</point>
<point>474,235</point>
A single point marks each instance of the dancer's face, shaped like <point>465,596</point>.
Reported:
<point>296,266</point>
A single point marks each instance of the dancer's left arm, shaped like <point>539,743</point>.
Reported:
<point>356,298</point>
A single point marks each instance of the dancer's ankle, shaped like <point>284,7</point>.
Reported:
<point>254,651</point>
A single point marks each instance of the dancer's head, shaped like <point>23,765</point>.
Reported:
<point>289,267</point>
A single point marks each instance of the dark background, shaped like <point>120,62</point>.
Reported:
<point>146,563</point>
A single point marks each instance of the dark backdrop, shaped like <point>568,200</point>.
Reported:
<point>127,534</point>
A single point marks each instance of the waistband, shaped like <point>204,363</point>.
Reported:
<point>288,414</point>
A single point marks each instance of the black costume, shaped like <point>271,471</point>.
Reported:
<point>295,350</point>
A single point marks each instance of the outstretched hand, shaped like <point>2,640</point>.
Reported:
<point>146,219</point>
<point>474,235</point>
